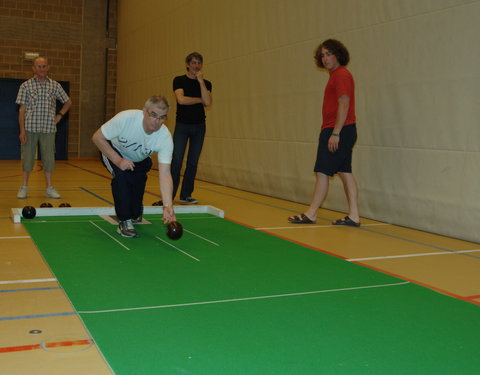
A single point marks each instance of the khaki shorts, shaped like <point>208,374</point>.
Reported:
<point>47,150</point>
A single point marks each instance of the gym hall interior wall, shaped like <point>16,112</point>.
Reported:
<point>417,91</point>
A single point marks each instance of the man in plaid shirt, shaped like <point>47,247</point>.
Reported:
<point>38,122</point>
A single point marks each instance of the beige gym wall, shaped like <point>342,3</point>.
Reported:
<point>415,63</point>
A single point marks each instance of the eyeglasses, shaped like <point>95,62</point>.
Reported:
<point>156,116</point>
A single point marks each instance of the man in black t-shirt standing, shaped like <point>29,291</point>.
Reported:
<point>193,93</point>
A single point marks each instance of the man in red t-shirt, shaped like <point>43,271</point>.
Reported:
<point>337,136</point>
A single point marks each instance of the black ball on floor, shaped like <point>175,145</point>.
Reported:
<point>64,205</point>
<point>158,203</point>
<point>174,230</point>
<point>29,212</point>
<point>46,205</point>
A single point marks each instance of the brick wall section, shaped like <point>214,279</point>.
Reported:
<point>68,11</point>
<point>111,78</point>
<point>112,19</point>
<point>62,30</point>
<point>64,57</point>
<point>111,83</point>
<point>64,60</point>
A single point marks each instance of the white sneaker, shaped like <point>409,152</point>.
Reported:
<point>22,192</point>
<point>52,193</point>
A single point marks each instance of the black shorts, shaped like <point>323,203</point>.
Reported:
<point>330,163</point>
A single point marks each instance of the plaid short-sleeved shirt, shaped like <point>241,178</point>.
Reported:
<point>40,101</point>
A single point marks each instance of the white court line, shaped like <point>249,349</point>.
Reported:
<point>245,299</point>
<point>203,238</point>
<point>27,281</point>
<point>109,235</point>
<point>319,226</point>
<point>186,218</point>
<point>413,255</point>
<point>62,221</point>
<point>176,248</point>
<point>13,237</point>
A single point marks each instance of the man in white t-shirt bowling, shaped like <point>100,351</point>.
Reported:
<point>126,143</point>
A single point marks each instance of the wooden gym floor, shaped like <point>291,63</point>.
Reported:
<point>446,265</point>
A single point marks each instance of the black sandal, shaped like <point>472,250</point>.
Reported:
<point>300,219</point>
<point>346,221</point>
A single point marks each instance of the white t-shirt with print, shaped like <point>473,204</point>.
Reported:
<point>127,135</point>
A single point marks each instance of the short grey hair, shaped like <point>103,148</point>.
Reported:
<point>158,101</point>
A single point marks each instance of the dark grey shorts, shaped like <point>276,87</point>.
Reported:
<point>330,163</point>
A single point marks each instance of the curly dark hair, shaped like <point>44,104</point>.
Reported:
<point>335,47</point>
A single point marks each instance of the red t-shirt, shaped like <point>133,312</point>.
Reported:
<point>340,83</point>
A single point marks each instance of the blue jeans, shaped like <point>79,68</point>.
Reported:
<point>194,134</point>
